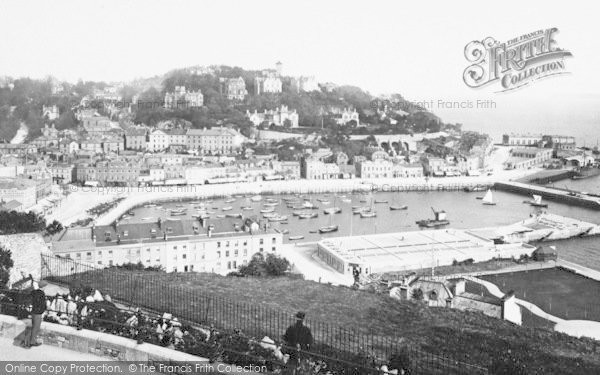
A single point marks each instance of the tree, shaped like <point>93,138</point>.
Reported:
<point>276,265</point>
<point>272,265</point>
<point>54,227</point>
<point>6,263</point>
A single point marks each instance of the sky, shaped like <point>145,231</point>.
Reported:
<point>415,48</point>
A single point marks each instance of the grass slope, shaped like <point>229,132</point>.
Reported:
<point>467,336</point>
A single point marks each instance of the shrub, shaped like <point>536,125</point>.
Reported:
<point>272,265</point>
<point>6,263</point>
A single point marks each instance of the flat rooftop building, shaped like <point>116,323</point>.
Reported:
<point>391,252</point>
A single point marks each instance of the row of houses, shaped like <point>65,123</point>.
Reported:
<point>206,245</point>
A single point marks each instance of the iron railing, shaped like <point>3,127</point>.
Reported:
<point>354,346</point>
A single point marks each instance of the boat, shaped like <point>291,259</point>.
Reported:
<point>268,215</point>
<point>346,200</point>
<point>398,207</point>
<point>537,202</point>
<point>147,218</point>
<point>151,205</point>
<point>221,216</point>
<point>271,204</point>
<point>179,205</point>
<point>178,213</point>
<point>323,200</point>
<point>489,199</point>
<point>237,216</point>
<point>328,229</point>
<point>228,208</point>
<point>295,238</point>
<point>381,201</point>
<point>272,200</point>
<point>247,208</point>
<point>256,198</point>
<point>368,214</point>
<point>211,212</point>
<point>278,218</point>
<point>332,210</point>
<point>313,231</point>
<point>438,221</point>
<point>360,209</point>
<point>474,188</point>
<point>311,215</point>
<point>231,200</point>
<point>308,205</point>
<point>267,210</point>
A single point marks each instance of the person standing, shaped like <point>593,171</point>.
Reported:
<point>38,307</point>
<point>297,337</point>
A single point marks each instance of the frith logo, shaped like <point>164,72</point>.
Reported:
<point>515,63</point>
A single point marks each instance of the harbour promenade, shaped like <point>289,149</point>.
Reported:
<point>560,195</point>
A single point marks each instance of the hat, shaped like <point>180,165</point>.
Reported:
<point>300,315</point>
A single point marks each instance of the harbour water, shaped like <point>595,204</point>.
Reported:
<point>464,211</point>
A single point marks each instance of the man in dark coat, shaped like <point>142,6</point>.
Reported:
<point>297,337</point>
<point>38,307</point>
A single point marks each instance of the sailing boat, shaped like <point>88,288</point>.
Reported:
<point>488,199</point>
<point>330,228</point>
<point>537,201</point>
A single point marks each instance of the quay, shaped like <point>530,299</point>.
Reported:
<point>550,193</point>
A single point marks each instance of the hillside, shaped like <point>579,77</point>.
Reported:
<point>23,103</point>
<point>467,336</point>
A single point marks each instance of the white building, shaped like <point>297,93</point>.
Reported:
<point>219,246</point>
<point>346,116</point>
<point>183,99</point>
<point>51,112</point>
<point>313,169</point>
<point>281,116</point>
<point>305,84</point>
<point>158,141</point>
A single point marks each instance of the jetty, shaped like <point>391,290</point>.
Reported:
<point>551,193</point>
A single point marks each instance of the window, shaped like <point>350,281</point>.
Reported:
<point>235,253</point>
<point>218,244</point>
<point>227,254</point>
<point>245,243</point>
<point>185,268</point>
<point>218,254</point>
<point>110,262</point>
<point>262,241</point>
<point>245,252</point>
<point>274,240</point>
<point>99,252</point>
<point>261,249</point>
<point>273,248</point>
<point>89,254</point>
<point>228,265</point>
<point>227,244</point>
<point>184,256</point>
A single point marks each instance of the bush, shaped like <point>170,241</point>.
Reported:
<point>272,265</point>
<point>6,263</point>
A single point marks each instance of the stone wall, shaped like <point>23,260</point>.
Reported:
<point>103,345</point>
<point>26,252</point>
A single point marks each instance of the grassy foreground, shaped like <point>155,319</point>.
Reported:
<point>466,336</point>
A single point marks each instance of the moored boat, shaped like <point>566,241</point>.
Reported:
<point>329,229</point>
<point>368,214</point>
<point>228,208</point>
<point>438,221</point>
<point>394,207</point>
<point>295,238</point>
<point>332,210</point>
